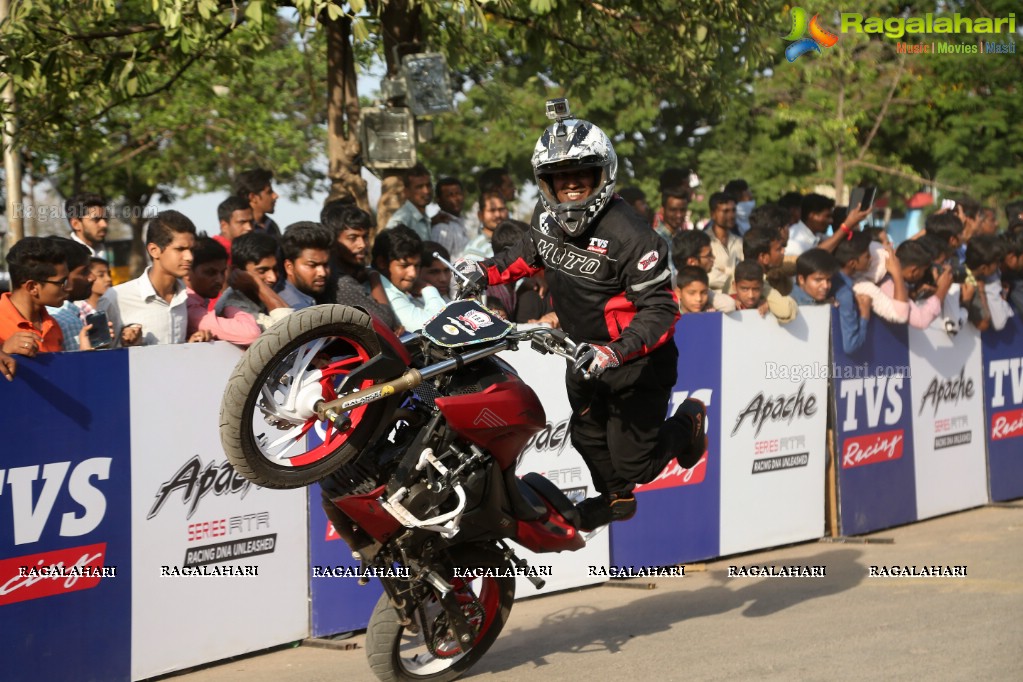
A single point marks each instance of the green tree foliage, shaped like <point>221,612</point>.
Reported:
<point>862,112</point>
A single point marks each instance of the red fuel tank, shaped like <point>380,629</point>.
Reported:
<point>500,419</point>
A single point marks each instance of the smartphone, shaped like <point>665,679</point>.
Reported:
<point>99,335</point>
<point>862,197</point>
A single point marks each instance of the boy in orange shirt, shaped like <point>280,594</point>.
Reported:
<point>39,278</point>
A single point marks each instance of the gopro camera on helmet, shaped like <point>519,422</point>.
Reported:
<point>558,109</point>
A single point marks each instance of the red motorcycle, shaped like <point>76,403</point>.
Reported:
<point>420,438</point>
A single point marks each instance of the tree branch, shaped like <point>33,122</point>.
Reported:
<point>903,174</point>
<point>884,110</point>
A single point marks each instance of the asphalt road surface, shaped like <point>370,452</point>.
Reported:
<point>846,625</point>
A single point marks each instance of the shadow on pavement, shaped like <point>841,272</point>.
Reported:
<point>590,628</point>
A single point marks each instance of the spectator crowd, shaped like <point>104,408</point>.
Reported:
<point>728,254</point>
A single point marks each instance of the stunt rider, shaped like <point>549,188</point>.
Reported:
<point>609,278</point>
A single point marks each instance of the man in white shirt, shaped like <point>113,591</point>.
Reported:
<point>816,214</point>
<point>397,254</point>
<point>493,210</point>
<point>449,228</point>
<point>725,244</point>
<point>153,309</point>
<point>418,195</point>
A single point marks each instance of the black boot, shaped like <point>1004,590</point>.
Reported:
<point>688,432</point>
<point>595,512</point>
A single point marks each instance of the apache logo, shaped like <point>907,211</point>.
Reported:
<point>819,36</point>
<point>553,438</point>
<point>782,408</point>
<point>950,390</point>
<point>197,481</point>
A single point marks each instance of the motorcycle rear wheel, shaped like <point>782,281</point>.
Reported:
<point>396,655</point>
<point>267,426</point>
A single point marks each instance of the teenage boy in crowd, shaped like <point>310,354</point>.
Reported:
<point>418,195</point>
<point>205,281</point>
<point>253,275</point>
<point>987,309</point>
<point>256,187</point>
<point>353,282</point>
<point>765,246</point>
<point>692,287</point>
<point>235,217</point>
<point>39,278</point>
<point>853,257</point>
<point>80,278</point>
<point>1012,269</point>
<point>749,287</point>
<point>815,269</point>
<point>306,249</point>
<point>397,253</point>
<point>692,247</point>
<point>902,297</point>
<point>153,308</point>
<point>432,270</point>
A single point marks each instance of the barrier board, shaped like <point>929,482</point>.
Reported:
<point>773,428</point>
<point>678,513</point>
<point>192,513</point>
<point>1003,391</point>
<point>550,453</point>
<point>874,430</point>
<point>65,504</point>
<point>948,421</point>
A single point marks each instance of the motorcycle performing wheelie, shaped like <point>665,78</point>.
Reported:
<point>420,438</point>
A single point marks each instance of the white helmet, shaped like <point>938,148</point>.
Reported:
<point>571,144</point>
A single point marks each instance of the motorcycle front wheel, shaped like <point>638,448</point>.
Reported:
<point>429,651</point>
<point>268,426</point>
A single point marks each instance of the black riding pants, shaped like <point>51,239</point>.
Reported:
<point>618,418</point>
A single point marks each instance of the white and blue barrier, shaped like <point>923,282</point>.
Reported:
<point>910,436</point>
<point>761,482</point>
<point>112,463</point>
<point>1003,389</point>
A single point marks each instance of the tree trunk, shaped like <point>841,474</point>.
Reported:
<point>402,28</point>
<point>839,158</point>
<point>135,206</point>
<point>343,146</point>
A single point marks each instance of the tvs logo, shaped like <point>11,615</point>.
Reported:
<point>597,246</point>
<point>882,399</point>
<point>475,320</point>
<point>1009,423</point>
<point>196,482</point>
<point>819,36</point>
<point>33,493</point>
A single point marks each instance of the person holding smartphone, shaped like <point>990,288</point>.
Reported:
<point>80,333</point>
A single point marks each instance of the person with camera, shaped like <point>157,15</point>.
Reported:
<point>609,279</point>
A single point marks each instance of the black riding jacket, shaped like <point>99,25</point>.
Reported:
<point>611,285</point>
